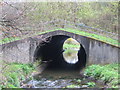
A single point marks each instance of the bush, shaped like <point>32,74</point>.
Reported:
<point>15,73</point>
<point>108,73</point>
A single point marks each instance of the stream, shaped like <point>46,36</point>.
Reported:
<point>62,78</point>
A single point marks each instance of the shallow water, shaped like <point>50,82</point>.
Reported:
<point>60,79</point>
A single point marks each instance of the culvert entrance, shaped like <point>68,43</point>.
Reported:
<point>53,53</point>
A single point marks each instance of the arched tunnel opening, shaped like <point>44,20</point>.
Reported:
<point>52,53</point>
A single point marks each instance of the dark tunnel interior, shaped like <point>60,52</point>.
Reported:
<point>52,53</point>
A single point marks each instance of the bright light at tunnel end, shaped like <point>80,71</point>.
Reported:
<point>71,48</point>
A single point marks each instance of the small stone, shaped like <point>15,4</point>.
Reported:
<point>84,86</point>
<point>91,78</point>
<point>101,82</point>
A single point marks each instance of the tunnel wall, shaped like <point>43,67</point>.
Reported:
<point>102,53</point>
<point>51,48</point>
<point>17,51</point>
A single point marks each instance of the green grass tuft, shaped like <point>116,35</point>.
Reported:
<point>108,73</point>
<point>14,73</point>
<point>70,46</point>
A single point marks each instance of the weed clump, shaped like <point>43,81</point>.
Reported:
<point>108,73</point>
<point>14,73</point>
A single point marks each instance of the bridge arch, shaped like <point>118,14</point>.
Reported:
<point>25,50</point>
<point>52,51</point>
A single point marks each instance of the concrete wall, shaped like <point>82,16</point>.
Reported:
<point>24,50</point>
<point>17,51</point>
<point>102,53</point>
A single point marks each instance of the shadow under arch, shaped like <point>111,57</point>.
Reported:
<point>52,53</point>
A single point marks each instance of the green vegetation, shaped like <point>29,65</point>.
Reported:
<point>6,40</point>
<point>97,14</point>
<point>76,31</point>
<point>72,86</point>
<point>13,73</point>
<point>44,17</point>
<point>53,16</point>
<point>70,46</point>
<point>91,84</point>
<point>78,84</point>
<point>108,73</point>
<point>71,43</point>
<point>11,39</point>
<point>94,36</point>
<point>79,80</point>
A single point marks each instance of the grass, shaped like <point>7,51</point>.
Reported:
<point>72,86</point>
<point>108,73</point>
<point>7,40</point>
<point>11,39</point>
<point>91,84</point>
<point>76,31</point>
<point>70,46</point>
<point>94,36</point>
<point>13,73</point>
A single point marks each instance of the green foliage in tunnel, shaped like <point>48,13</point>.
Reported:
<point>70,46</point>
<point>71,43</point>
<point>108,73</point>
